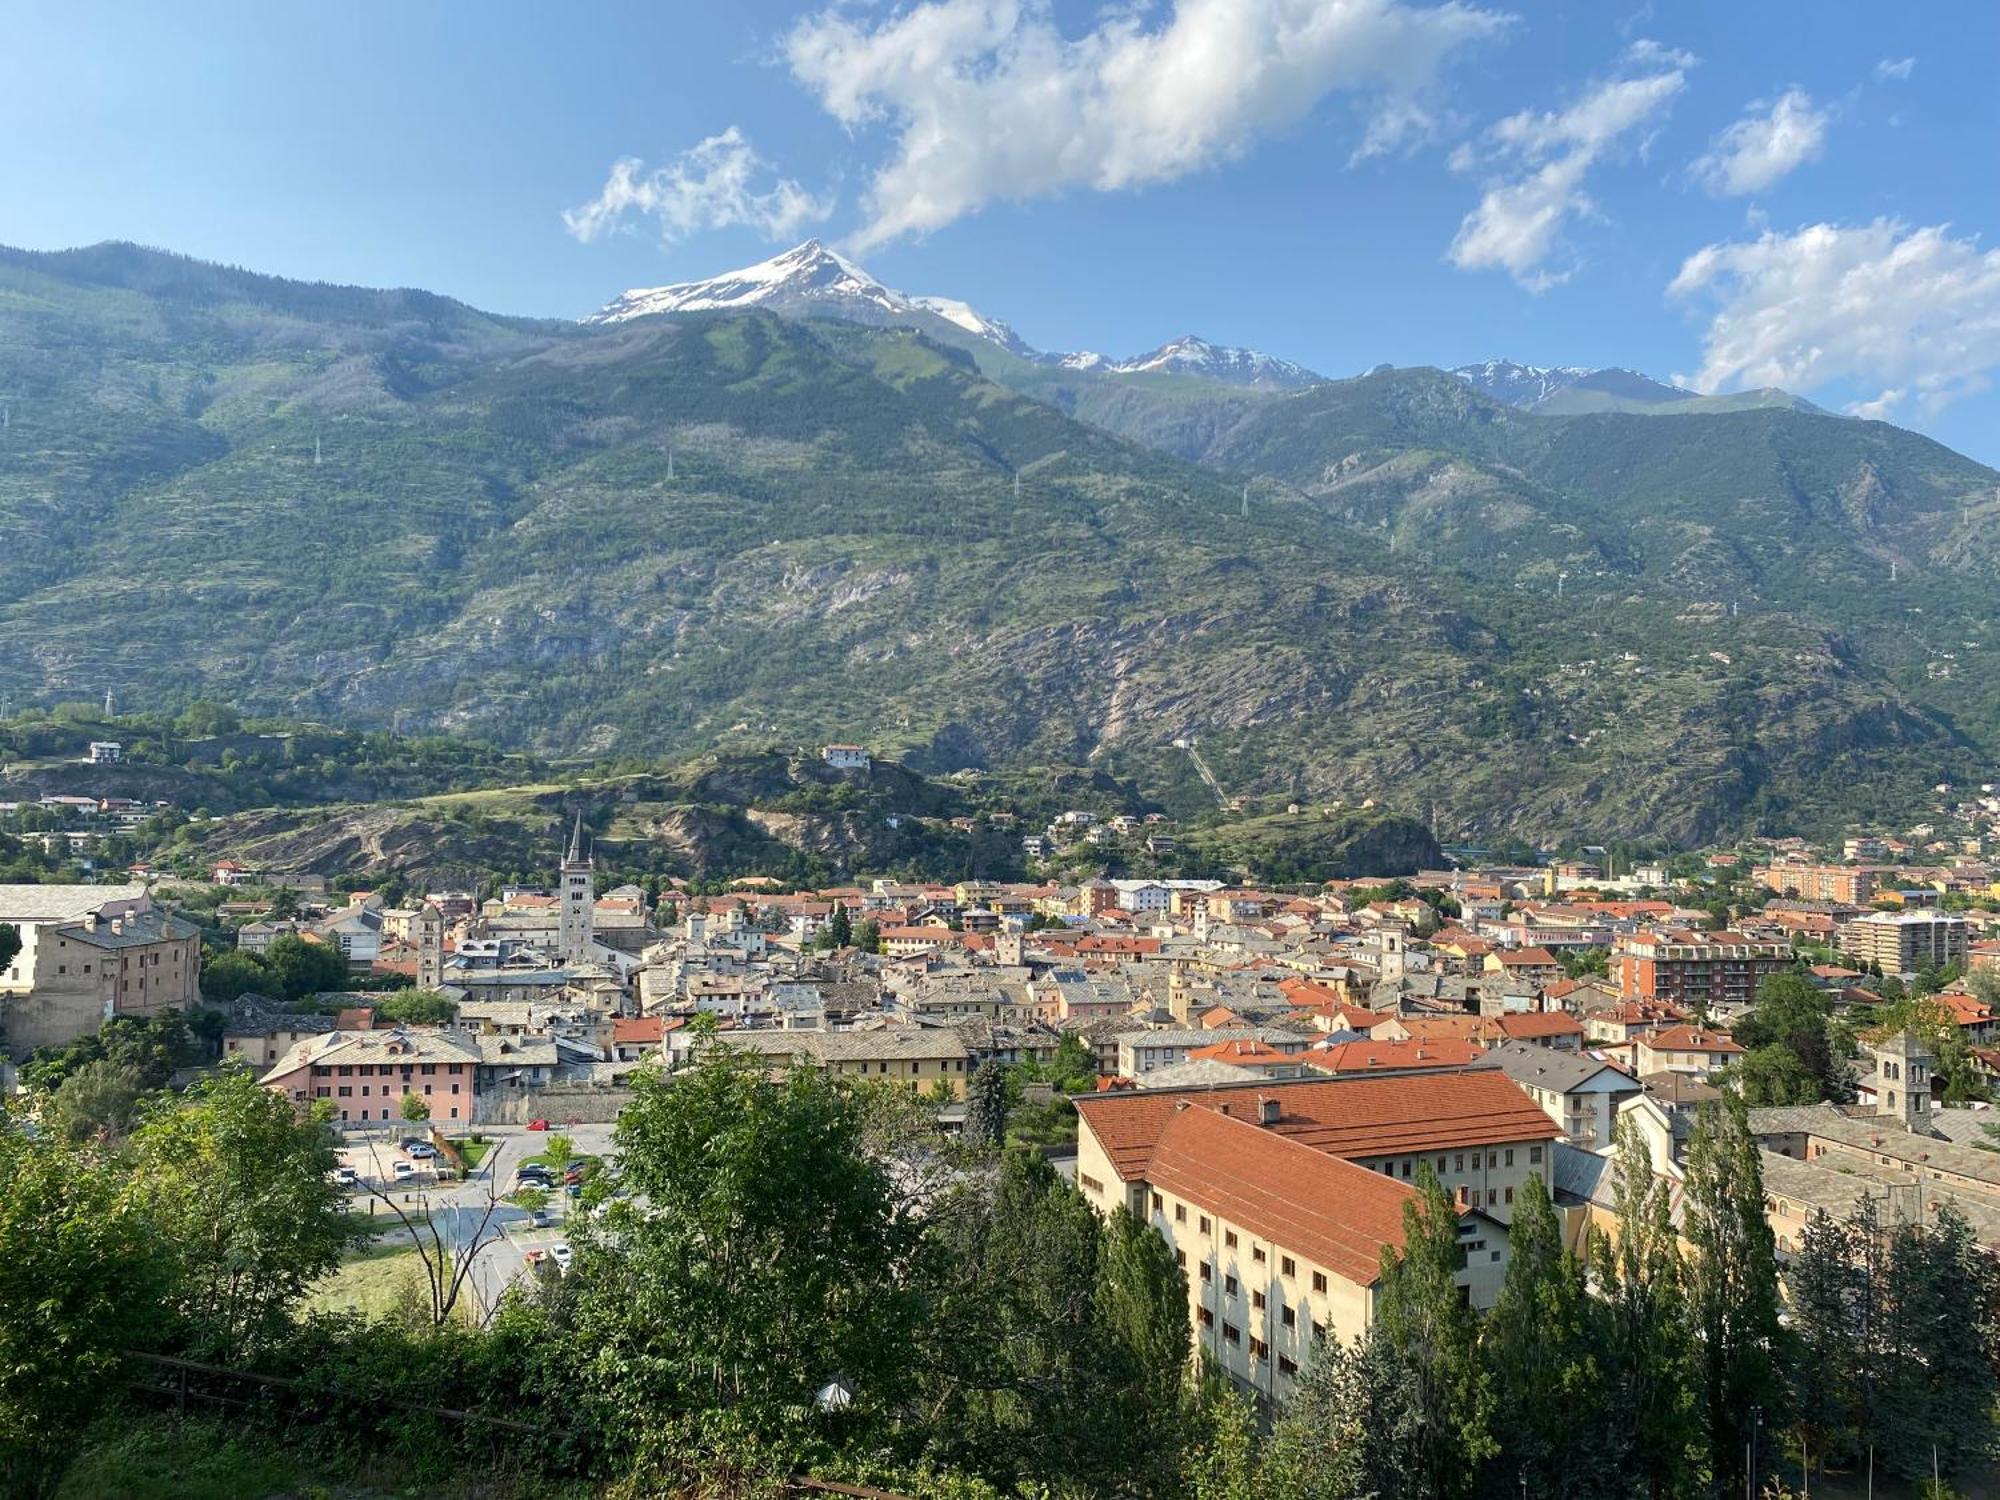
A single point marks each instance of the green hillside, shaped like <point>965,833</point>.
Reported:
<point>725,531</point>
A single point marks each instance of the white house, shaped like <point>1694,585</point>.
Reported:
<point>104,752</point>
<point>845,757</point>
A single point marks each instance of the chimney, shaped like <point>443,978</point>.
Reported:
<point>1267,1110</point>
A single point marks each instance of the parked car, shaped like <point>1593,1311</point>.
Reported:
<point>346,1176</point>
<point>574,1189</point>
<point>410,1143</point>
<point>535,1257</point>
<point>422,1151</point>
<point>559,1253</point>
<point>402,1171</point>
<point>538,1124</point>
<point>541,1218</point>
<point>534,1174</point>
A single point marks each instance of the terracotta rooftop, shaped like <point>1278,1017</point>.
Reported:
<point>1345,1116</point>
<point>1322,1209</point>
<point>1361,1057</point>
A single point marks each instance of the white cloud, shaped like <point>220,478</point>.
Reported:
<point>1540,161</point>
<point>1762,147</point>
<point>1915,312</point>
<point>988,100</point>
<point>708,186</point>
<point>1896,67</point>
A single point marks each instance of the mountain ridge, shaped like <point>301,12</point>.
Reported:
<point>727,528</point>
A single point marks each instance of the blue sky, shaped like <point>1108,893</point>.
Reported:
<point>1783,193</point>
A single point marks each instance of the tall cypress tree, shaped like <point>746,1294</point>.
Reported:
<point>1824,1287</point>
<point>1650,1352</point>
<point>1434,1335</point>
<point>1347,1429</point>
<point>1732,1286</point>
<point>1544,1352</point>
<point>986,1105</point>
<point>1939,1389</point>
<point>1142,1317</point>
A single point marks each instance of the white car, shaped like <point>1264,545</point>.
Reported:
<point>559,1253</point>
<point>402,1171</point>
<point>346,1176</point>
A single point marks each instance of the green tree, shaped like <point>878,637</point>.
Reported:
<point>1346,1429</point>
<point>239,1183</point>
<point>868,936</point>
<point>759,1253</point>
<point>229,976</point>
<point>1141,1311</point>
<point>415,1108</point>
<point>1543,1348</point>
<point>1435,1336</point>
<point>1939,1387</point>
<point>298,968</point>
<point>10,943</point>
<point>1649,1350</point>
<point>80,1277</point>
<point>1221,1462</point>
<point>1732,1284</point>
<point>1794,1013</point>
<point>986,1105</point>
<point>840,927</point>
<point>1825,1287</point>
<point>1774,1074</point>
<point>284,904</point>
<point>100,1101</point>
<point>416,1008</point>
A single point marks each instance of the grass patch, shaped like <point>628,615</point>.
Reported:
<point>137,1456</point>
<point>474,1152</point>
<point>378,1282</point>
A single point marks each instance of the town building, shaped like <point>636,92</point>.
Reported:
<point>1716,971</point>
<point>89,953</point>
<point>1851,885</point>
<point>364,1075</point>
<point>1905,942</point>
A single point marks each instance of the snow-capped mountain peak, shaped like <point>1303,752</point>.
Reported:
<point>1192,355</point>
<point>1518,384</point>
<point>805,273</point>
<point>811,280</point>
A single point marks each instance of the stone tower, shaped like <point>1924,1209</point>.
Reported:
<point>1007,947</point>
<point>1903,1080</point>
<point>578,898</point>
<point>428,930</point>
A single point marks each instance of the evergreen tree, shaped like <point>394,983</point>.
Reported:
<point>1649,1351</point>
<point>1142,1317</point>
<point>1222,1459</point>
<point>1543,1349</point>
<point>1824,1288</point>
<point>840,926</point>
<point>1347,1428</point>
<point>1434,1335</point>
<point>1732,1285</point>
<point>1939,1387</point>
<point>986,1105</point>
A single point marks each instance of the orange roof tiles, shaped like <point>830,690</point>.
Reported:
<point>1343,1116</point>
<point>632,1031</point>
<point>1327,1211</point>
<point>1240,1052</point>
<point>1360,1057</point>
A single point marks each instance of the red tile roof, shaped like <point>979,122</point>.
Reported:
<point>1530,1025</point>
<point>1345,1116</point>
<point>1360,1057</point>
<point>636,1030</point>
<point>1240,1052</point>
<point>1320,1208</point>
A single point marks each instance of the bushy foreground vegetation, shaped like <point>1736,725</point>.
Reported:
<point>792,1276</point>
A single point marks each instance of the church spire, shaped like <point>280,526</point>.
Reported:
<point>576,855</point>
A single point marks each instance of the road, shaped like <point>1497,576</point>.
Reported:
<point>476,1207</point>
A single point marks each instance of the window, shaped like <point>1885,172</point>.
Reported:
<point>1319,1331</point>
<point>1180,1213</point>
<point>1229,1285</point>
<point>1090,1184</point>
<point>1180,1259</point>
<point>1259,1349</point>
<point>1158,1203</point>
<point>1319,1282</point>
<point>1204,1317</point>
<point>1510,1156</point>
<point>1406,1170</point>
<point>1230,1334</point>
<point>1257,1254</point>
<point>1287,1367</point>
<point>1207,1271</point>
<point>1492,1196</point>
<point>1257,1299</point>
<point>1290,1317</point>
<point>1287,1266</point>
<point>1204,1223</point>
<point>1492,1159</point>
<point>1229,1238</point>
<point>1510,1195</point>
<point>347,1091</point>
<point>1534,1156</point>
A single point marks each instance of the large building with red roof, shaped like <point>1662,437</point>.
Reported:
<point>1279,1198</point>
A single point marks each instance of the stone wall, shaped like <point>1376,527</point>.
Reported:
<point>589,1104</point>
